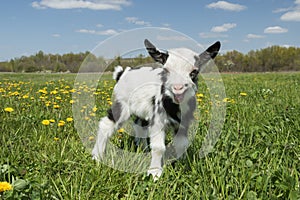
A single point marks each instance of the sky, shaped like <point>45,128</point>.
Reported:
<point>63,26</point>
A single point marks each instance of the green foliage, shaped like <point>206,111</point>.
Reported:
<point>274,58</point>
<point>256,157</point>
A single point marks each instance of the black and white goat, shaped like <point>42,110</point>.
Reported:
<point>158,98</point>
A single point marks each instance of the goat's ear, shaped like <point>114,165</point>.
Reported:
<point>155,54</point>
<point>210,53</point>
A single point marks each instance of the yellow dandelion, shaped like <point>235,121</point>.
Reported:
<point>46,122</point>
<point>54,92</point>
<point>243,94</point>
<point>61,123</point>
<point>56,106</point>
<point>25,96</point>
<point>55,138</point>
<point>43,91</point>
<point>5,186</point>
<point>226,100</point>
<point>69,119</point>
<point>51,120</point>
<point>72,101</point>
<point>8,109</point>
<point>200,95</point>
<point>121,130</point>
<point>91,138</point>
<point>58,98</point>
<point>95,109</point>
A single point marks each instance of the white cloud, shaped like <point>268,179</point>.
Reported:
<point>76,4</point>
<point>275,29</point>
<point>173,38</point>
<point>99,25</point>
<point>224,5</point>
<point>254,36</point>
<point>94,32</point>
<point>137,21</point>
<point>223,28</point>
<point>292,14</point>
<point>280,10</point>
<point>212,35</point>
<point>56,35</point>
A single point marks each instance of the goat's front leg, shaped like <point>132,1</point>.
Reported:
<point>181,141</point>
<point>158,148</point>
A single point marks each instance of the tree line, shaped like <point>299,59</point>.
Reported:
<point>270,59</point>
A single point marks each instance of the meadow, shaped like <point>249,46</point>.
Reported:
<point>256,157</point>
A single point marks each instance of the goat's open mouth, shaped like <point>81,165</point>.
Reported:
<point>179,97</point>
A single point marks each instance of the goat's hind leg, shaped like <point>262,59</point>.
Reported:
<point>140,127</point>
<point>105,131</point>
<point>107,125</point>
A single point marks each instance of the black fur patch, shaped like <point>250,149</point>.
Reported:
<point>172,109</point>
<point>119,74</point>
<point>194,76</point>
<point>155,54</point>
<point>141,122</point>
<point>114,112</point>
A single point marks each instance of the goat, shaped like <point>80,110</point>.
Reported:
<point>157,97</point>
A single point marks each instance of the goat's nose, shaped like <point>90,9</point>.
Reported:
<point>178,87</point>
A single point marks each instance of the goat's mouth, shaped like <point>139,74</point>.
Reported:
<point>178,98</point>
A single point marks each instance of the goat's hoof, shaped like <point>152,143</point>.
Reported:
<point>155,172</point>
<point>96,156</point>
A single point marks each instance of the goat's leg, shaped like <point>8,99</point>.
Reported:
<point>105,131</point>
<point>181,142</point>
<point>117,114</point>
<point>158,148</point>
<point>141,132</point>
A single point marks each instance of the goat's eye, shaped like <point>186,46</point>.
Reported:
<point>194,74</point>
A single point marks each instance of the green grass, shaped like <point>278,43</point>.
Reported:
<point>256,157</point>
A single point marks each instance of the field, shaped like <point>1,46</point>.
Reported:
<point>256,157</point>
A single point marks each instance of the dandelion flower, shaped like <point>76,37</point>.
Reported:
<point>46,122</point>
<point>72,101</point>
<point>95,108</point>
<point>243,94</point>
<point>51,120</point>
<point>56,106</point>
<point>91,138</point>
<point>61,123</point>
<point>121,130</point>
<point>55,138</point>
<point>8,109</point>
<point>200,95</point>
<point>53,92</point>
<point>5,186</point>
<point>69,119</point>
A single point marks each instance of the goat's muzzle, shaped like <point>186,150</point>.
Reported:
<point>179,92</point>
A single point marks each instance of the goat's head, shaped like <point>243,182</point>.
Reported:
<point>181,68</point>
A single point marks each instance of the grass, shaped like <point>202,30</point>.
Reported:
<point>256,157</point>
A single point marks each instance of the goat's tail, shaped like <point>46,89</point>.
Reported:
<point>118,72</point>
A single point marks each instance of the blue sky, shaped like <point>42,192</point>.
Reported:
<point>62,26</point>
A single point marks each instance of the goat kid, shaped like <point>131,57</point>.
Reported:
<point>158,98</point>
